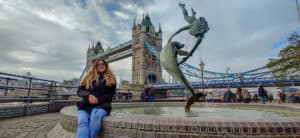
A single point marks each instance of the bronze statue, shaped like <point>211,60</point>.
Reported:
<point>168,55</point>
<point>196,27</point>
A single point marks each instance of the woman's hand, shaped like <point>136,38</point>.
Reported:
<point>92,99</point>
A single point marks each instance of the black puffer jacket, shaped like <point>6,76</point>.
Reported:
<point>103,93</point>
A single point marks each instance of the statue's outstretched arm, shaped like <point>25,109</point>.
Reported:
<point>196,45</point>
<point>180,30</point>
<point>182,52</point>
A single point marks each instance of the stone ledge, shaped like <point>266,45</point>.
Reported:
<point>157,126</point>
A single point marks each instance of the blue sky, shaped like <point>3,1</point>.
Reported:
<point>50,38</point>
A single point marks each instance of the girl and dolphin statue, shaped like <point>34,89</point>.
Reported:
<point>173,49</point>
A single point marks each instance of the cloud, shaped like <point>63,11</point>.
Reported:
<point>121,15</point>
<point>50,39</point>
<point>22,56</point>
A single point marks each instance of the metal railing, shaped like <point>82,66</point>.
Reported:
<point>28,89</point>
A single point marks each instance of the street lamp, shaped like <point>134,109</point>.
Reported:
<point>202,69</point>
<point>227,71</point>
<point>242,81</point>
<point>298,10</point>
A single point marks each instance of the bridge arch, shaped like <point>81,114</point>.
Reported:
<point>152,78</point>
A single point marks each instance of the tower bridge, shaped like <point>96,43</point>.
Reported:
<point>144,48</point>
<point>145,67</point>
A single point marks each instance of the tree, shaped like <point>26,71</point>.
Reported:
<point>288,63</point>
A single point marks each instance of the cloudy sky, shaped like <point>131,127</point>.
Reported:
<point>50,38</point>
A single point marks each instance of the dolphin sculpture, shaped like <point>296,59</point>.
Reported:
<point>168,59</point>
<point>197,27</point>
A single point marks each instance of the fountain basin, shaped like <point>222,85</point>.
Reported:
<point>136,125</point>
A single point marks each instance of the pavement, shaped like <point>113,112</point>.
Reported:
<point>36,126</point>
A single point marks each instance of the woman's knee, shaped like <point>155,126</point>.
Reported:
<point>98,113</point>
<point>83,118</point>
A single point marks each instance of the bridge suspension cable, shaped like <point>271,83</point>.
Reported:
<point>193,71</point>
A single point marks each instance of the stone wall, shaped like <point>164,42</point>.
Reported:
<point>144,126</point>
<point>9,111</point>
<point>55,106</point>
<point>12,111</point>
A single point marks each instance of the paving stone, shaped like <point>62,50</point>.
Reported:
<point>29,126</point>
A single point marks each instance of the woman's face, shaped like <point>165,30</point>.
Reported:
<point>101,67</point>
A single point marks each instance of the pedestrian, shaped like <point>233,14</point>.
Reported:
<point>262,93</point>
<point>228,95</point>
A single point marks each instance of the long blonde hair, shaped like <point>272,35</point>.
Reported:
<point>92,75</point>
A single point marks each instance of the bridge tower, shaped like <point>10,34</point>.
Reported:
<point>145,66</point>
<point>92,52</point>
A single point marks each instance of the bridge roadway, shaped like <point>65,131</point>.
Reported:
<point>267,82</point>
<point>36,126</point>
<point>121,51</point>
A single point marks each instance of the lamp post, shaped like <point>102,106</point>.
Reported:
<point>242,81</point>
<point>227,71</point>
<point>298,9</point>
<point>202,69</point>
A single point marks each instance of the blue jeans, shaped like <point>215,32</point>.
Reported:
<point>152,98</point>
<point>212,100</point>
<point>89,124</point>
<point>262,99</point>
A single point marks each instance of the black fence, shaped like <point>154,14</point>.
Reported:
<point>28,89</point>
